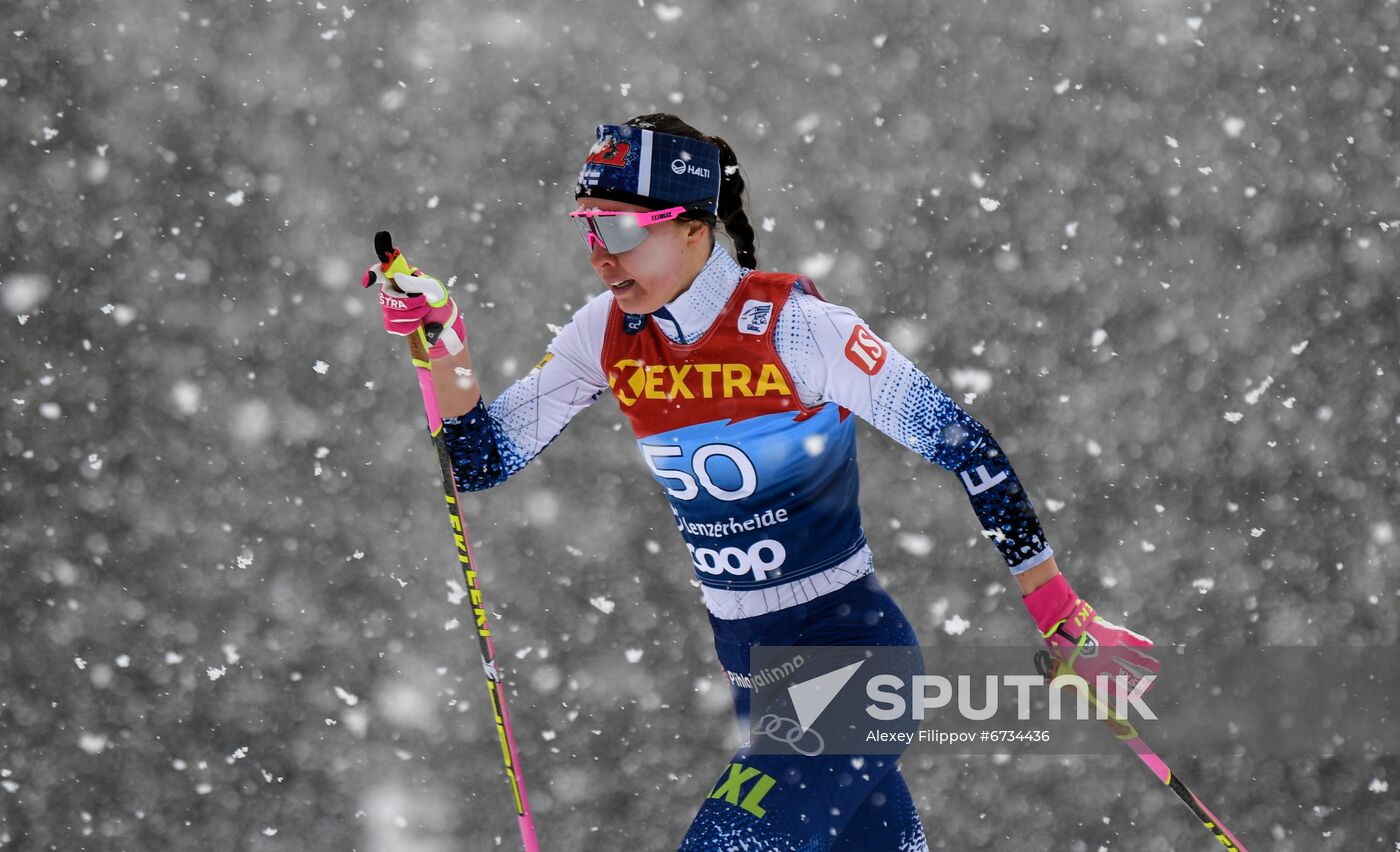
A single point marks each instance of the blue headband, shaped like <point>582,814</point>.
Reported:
<point>651,169</point>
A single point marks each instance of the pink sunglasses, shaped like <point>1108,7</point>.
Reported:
<point>618,232</point>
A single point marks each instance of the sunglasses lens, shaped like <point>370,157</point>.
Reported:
<point>620,233</point>
<point>616,234</point>
<point>585,230</point>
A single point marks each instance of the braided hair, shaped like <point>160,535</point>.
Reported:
<point>731,187</point>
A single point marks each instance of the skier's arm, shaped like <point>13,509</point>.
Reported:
<point>856,370</point>
<point>489,444</point>
<point>457,390</point>
<point>848,365</point>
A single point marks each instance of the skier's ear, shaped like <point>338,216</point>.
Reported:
<point>695,229</point>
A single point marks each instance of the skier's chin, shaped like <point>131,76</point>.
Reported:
<point>633,300</point>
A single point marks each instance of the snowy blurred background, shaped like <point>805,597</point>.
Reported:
<point>1153,246</point>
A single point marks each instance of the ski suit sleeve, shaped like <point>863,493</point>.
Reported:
<point>491,443</point>
<point>832,354</point>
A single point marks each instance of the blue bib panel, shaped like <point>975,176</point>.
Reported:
<point>763,501</point>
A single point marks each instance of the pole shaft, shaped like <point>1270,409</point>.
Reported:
<point>418,350</point>
<point>1127,733</point>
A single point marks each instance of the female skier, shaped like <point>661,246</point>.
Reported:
<point>738,385</point>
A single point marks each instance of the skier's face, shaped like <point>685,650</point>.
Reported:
<point>655,272</point>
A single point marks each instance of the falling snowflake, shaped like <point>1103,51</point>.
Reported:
<point>1253,394</point>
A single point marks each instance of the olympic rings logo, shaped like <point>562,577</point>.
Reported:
<point>786,730</point>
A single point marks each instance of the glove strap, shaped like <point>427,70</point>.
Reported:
<point>395,267</point>
<point>1052,604</point>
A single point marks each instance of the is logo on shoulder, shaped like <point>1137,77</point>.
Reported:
<point>755,316</point>
<point>865,350</point>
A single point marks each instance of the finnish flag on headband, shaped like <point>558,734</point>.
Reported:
<point>650,169</point>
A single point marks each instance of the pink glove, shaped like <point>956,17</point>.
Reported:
<point>411,300</point>
<point>1081,640</point>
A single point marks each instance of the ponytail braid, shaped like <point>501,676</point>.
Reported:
<point>731,185</point>
<point>731,206</point>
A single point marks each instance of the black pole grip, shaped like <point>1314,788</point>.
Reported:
<point>384,246</point>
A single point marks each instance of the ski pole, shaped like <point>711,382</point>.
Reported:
<point>1124,730</point>
<point>418,345</point>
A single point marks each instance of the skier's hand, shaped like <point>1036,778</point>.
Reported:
<point>1081,640</point>
<point>410,299</point>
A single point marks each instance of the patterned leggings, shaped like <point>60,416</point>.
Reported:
<point>822,803</point>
